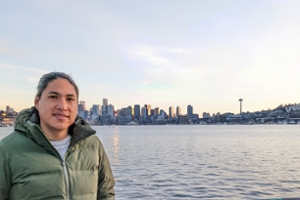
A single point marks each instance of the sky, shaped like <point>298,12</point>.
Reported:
<point>204,53</point>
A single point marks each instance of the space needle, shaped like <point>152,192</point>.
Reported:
<point>240,100</point>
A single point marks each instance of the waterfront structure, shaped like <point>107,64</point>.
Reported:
<point>292,108</point>
<point>183,119</point>
<point>178,111</point>
<point>194,117</point>
<point>205,115</point>
<point>171,112</point>
<point>190,110</point>
<point>240,100</point>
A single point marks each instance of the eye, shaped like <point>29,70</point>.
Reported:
<point>53,97</point>
<point>70,99</point>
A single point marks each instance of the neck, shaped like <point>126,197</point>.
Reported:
<point>54,134</point>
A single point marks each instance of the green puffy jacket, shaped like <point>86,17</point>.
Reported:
<point>31,168</point>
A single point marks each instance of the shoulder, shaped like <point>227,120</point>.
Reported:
<point>12,142</point>
<point>93,141</point>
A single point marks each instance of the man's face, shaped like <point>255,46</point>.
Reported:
<point>57,106</point>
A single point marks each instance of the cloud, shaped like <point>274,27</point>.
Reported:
<point>162,63</point>
<point>181,51</point>
<point>33,79</point>
<point>145,82</point>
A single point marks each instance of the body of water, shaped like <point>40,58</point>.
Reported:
<point>202,162</point>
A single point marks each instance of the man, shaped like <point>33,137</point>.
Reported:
<point>53,153</point>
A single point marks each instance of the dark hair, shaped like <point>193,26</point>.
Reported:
<point>47,78</point>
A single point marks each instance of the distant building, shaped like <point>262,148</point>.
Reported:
<point>156,111</point>
<point>81,109</point>
<point>85,114</point>
<point>7,109</point>
<point>190,110</point>
<point>183,119</point>
<point>178,111</point>
<point>110,110</point>
<point>163,114</point>
<point>143,115</point>
<point>104,110</point>
<point>95,110</point>
<point>137,111</point>
<point>129,111</point>
<point>205,115</point>
<point>83,104</point>
<point>194,117</point>
<point>152,112</point>
<point>148,109</point>
<point>144,111</point>
<point>105,102</point>
<point>171,112</point>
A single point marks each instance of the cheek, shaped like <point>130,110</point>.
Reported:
<point>74,111</point>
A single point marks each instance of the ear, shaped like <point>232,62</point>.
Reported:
<point>36,102</point>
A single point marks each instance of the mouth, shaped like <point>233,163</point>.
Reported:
<point>60,116</point>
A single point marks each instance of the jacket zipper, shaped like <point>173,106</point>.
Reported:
<point>66,175</point>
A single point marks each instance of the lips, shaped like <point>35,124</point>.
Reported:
<point>60,116</point>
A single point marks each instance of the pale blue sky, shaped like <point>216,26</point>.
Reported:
<point>164,53</point>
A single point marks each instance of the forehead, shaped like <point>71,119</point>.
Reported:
<point>61,86</point>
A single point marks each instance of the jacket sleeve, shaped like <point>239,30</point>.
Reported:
<point>106,180</point>
<point>5,176</point>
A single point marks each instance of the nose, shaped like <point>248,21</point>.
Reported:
<point>62,104</point>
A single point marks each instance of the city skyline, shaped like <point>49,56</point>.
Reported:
<point>165,53</point>
<point>175,110</point>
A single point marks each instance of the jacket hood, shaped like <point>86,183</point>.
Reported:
<point>28,122</point>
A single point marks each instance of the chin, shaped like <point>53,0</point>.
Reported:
<point>61,127</point>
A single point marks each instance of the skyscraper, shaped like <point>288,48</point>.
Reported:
<point>105,102</point>
<point>95,110</point>
<point>144,111</point>
<point>110,110</point>
<point>129,111</point>
<point>156,111</point>
<point>104,110</point>
<point>148,109</point>
<point>178,111</point>
<point>81,108</point>
<point>190,110</point>
<point>137,111</point>
<point>171,112</point>
<point>83,104</point>
<point>7,109</point>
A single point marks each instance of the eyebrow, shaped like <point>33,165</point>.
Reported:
<point>56,93</point>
